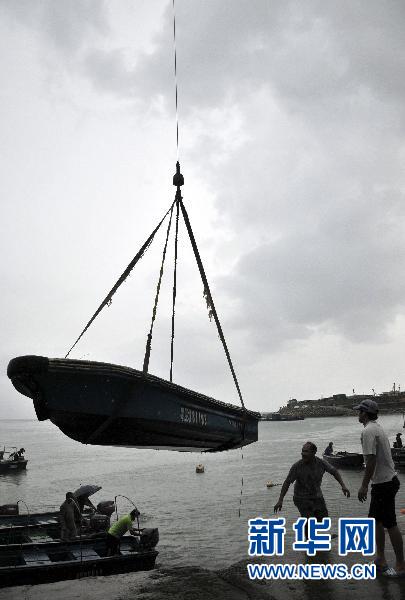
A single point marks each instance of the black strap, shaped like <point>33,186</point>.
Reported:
<point>175,80</point>
<point>149,339</point>
<point>107,300</point>
<point>174,289</point>
<point>207,293</point>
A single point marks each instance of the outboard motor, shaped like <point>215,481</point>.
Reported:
<point>149,538</point>
<point>99,522</point>
<point>106,507</point>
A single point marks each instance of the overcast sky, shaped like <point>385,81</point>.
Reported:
<point>291,121</point>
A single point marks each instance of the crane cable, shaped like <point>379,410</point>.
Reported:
<point>175,81</point>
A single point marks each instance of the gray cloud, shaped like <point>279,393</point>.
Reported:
<point>291,121</point>
<point>319,188</point>
<point>65,25</point>
<point>346,277</point>
<point>313,54</point>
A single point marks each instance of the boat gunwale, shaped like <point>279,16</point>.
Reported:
<point>84,541</point>
<point>66,365</point>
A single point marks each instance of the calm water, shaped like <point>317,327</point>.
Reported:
<point>197,515</point>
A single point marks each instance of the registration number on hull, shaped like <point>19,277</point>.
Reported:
<point>193,416</point>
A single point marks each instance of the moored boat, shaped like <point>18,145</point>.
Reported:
<point>345,460</point>
<point>11,517</point>
<point>42,527</point>
<point>12,460</point>
<point>17,526</point>
<point>28,564</point>
<point>107,404</point>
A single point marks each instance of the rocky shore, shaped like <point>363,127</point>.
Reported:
<point>340,405</point>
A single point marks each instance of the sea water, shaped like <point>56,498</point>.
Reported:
<point>202,518</point>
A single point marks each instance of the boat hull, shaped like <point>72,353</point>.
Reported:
<point>112,405</point>
<point>32,564</point>
<point>14,576</point>
<point>12,466</point>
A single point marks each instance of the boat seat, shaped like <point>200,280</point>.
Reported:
<point>85,553</point>
<point>35,556</point>
<point>41,538</point>
<point>47,522</point>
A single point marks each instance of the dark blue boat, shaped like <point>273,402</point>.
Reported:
<point>112,405</point>
<point>29,564</point>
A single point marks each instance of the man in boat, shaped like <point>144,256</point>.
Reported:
<point>68,515</point>
<point>118,529</point>
<point>328,450</point>
<point>381,472</point>
<point>307,474</point>
<point>17,455</point>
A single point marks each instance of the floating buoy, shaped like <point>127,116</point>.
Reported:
<point>199,468</point>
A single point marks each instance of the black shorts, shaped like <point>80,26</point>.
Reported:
<point>382,505</point>
<point>311,507</point>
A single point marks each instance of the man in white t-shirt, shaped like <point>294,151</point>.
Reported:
<point>385,484</point>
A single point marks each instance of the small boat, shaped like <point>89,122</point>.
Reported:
<point>10,517</point>
<point>200,468</point>
<point>33,563</point>
<point>12,460</point>
<point>94,519</point>
<point>398,456</point>
<point>45,527</point>
<point>28,528</point>
<point>41,527</point>
<point>345,460</point>
<point>107,404</point>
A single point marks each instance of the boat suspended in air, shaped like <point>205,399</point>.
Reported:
<point>112,405</point>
